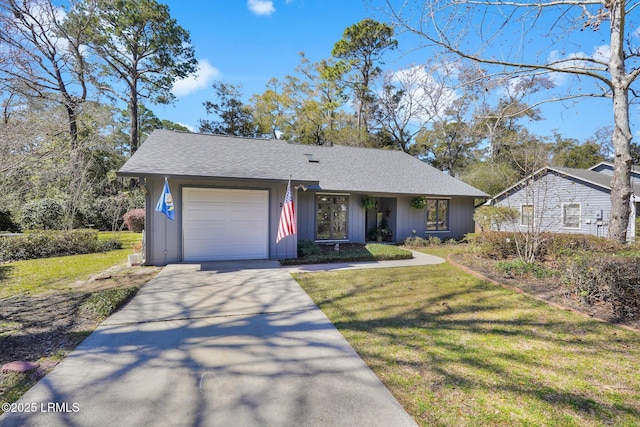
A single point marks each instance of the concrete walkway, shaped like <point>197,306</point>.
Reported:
<point>419,258</point>
<point>215,344</point>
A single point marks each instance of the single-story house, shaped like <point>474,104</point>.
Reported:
<point>566,200</point>
<point>228,193</point>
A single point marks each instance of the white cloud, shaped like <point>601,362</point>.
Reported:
<point>191,128</point>
<point>425,97</point>
<point>602,53</point>
<point>577,60</point>
<point>261,7</point>
<point>201,80</point>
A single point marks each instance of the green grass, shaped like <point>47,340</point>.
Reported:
<point>369,252</point>
<point>107,301</point>
<point>458,351</point>
<point>39,275</point>
<point>127,239</point>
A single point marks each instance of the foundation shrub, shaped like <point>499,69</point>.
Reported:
<point>493,244</point>
<point>307,248</point>
<point>421,242</point>
<point>560,245</point>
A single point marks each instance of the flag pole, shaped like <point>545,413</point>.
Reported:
<point>166,229</point>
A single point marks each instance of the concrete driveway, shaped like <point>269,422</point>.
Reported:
<point>216,344</point>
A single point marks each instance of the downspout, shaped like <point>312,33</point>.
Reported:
<point>147,218</point>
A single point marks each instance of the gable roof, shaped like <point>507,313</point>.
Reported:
<point>635,169</point>
<point>335,168</point>
<point>587,176</point>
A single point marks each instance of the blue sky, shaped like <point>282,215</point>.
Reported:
<point>247,42</point>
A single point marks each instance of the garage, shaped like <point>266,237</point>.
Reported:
<point>225,224</point>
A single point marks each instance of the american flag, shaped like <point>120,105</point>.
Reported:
<point>287,225</point>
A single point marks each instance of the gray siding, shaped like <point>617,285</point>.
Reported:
<point>306,215</point>
<point>460,219</point>
<point>164,242</point>
<point>357,224</point>
<point>549,193</point>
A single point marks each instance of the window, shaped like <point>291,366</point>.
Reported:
<point>571,215</point>
<point>437,215</point>
<point>526,215</point>
<point>332,217</point>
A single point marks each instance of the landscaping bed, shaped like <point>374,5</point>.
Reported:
<point>551,288</point>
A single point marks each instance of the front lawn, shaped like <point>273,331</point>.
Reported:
<point>348,252</point>
<point>39,275</point>
<point>459,351</point>
<point>48,306</point>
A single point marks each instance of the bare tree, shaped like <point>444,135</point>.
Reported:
<point>545,44</point>
<point>41,56</point>
<point>409,100</point>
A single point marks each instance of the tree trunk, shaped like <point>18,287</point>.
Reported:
<point>134,138</point>
<point>621,190</point>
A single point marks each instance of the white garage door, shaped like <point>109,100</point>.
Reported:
<point>223,224</point>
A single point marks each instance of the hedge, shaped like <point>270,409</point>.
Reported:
<point>608,279</point>
<point>45,244</point>
<point>502,244</point>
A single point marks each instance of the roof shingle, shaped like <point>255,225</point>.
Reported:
<point>336,168</point>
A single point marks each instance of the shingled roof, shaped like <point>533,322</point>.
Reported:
<point>334,168</point>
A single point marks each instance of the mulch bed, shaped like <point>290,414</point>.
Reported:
<point>550,290</point>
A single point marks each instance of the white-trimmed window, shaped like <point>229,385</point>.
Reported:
<point>526,215</point>
<point>571,215</point>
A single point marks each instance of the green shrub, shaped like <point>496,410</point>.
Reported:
<point>503,245</point>
<point>134,220</point>
<point>307,248</point>
<point>419,242</point>
<point>494,244</point>
<point>106,301</point>
<point>415,242</point>
<point>6,222</point>
<point>518,267</point>
<point>108,245</point>
<point>563,244</point>
<point>43,214</point>
<point>434,240</point>
<point>45,244</point>
<point>350,253</point>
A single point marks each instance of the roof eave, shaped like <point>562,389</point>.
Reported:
<point>148,175</point>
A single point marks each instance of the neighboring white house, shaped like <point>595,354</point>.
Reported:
<point>228,192</point>
<point>566,200</point>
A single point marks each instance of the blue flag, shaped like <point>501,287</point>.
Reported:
<point>165,203</point>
